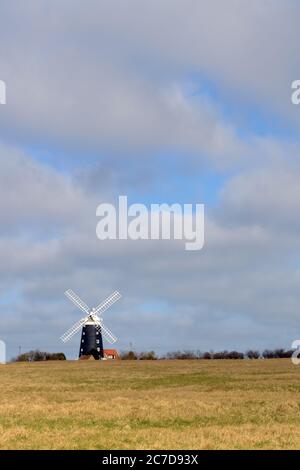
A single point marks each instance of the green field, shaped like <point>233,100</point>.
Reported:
<point>150,405</point>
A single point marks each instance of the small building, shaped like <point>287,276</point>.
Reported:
<point>111,354</point>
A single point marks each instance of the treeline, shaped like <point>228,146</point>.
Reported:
<point>133,356</point>
<point>250,354</point>
<point>33,356</point>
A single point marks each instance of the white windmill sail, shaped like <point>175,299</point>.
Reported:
<point>69,333</point>
<point>107,303</point>
<point>77,301</point>
<point>106,333</point>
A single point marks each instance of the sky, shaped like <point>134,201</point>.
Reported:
<point>180,101</point>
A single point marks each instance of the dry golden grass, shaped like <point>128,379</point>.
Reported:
<point>150,405</point>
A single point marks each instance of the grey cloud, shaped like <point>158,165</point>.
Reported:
<point>238,45</point>
<point>265,197</point>
<point>94,88</point>
<point>113,81</point>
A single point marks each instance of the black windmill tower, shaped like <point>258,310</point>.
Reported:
<point>93,329</point>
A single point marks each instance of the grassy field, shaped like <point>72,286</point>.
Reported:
<point>150,405</point>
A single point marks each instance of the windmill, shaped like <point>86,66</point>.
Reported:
<point>92,326</point>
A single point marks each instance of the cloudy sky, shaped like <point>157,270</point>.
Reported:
<point>185,101</point>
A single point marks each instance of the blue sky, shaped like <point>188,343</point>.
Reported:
<point>163,103</point>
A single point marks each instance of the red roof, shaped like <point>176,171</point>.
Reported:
<point>111,352</point>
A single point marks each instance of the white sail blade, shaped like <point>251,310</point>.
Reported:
<point>71,331</point>
<point>106,333</point>
<point>107,303</point>
<point>77,301</point>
